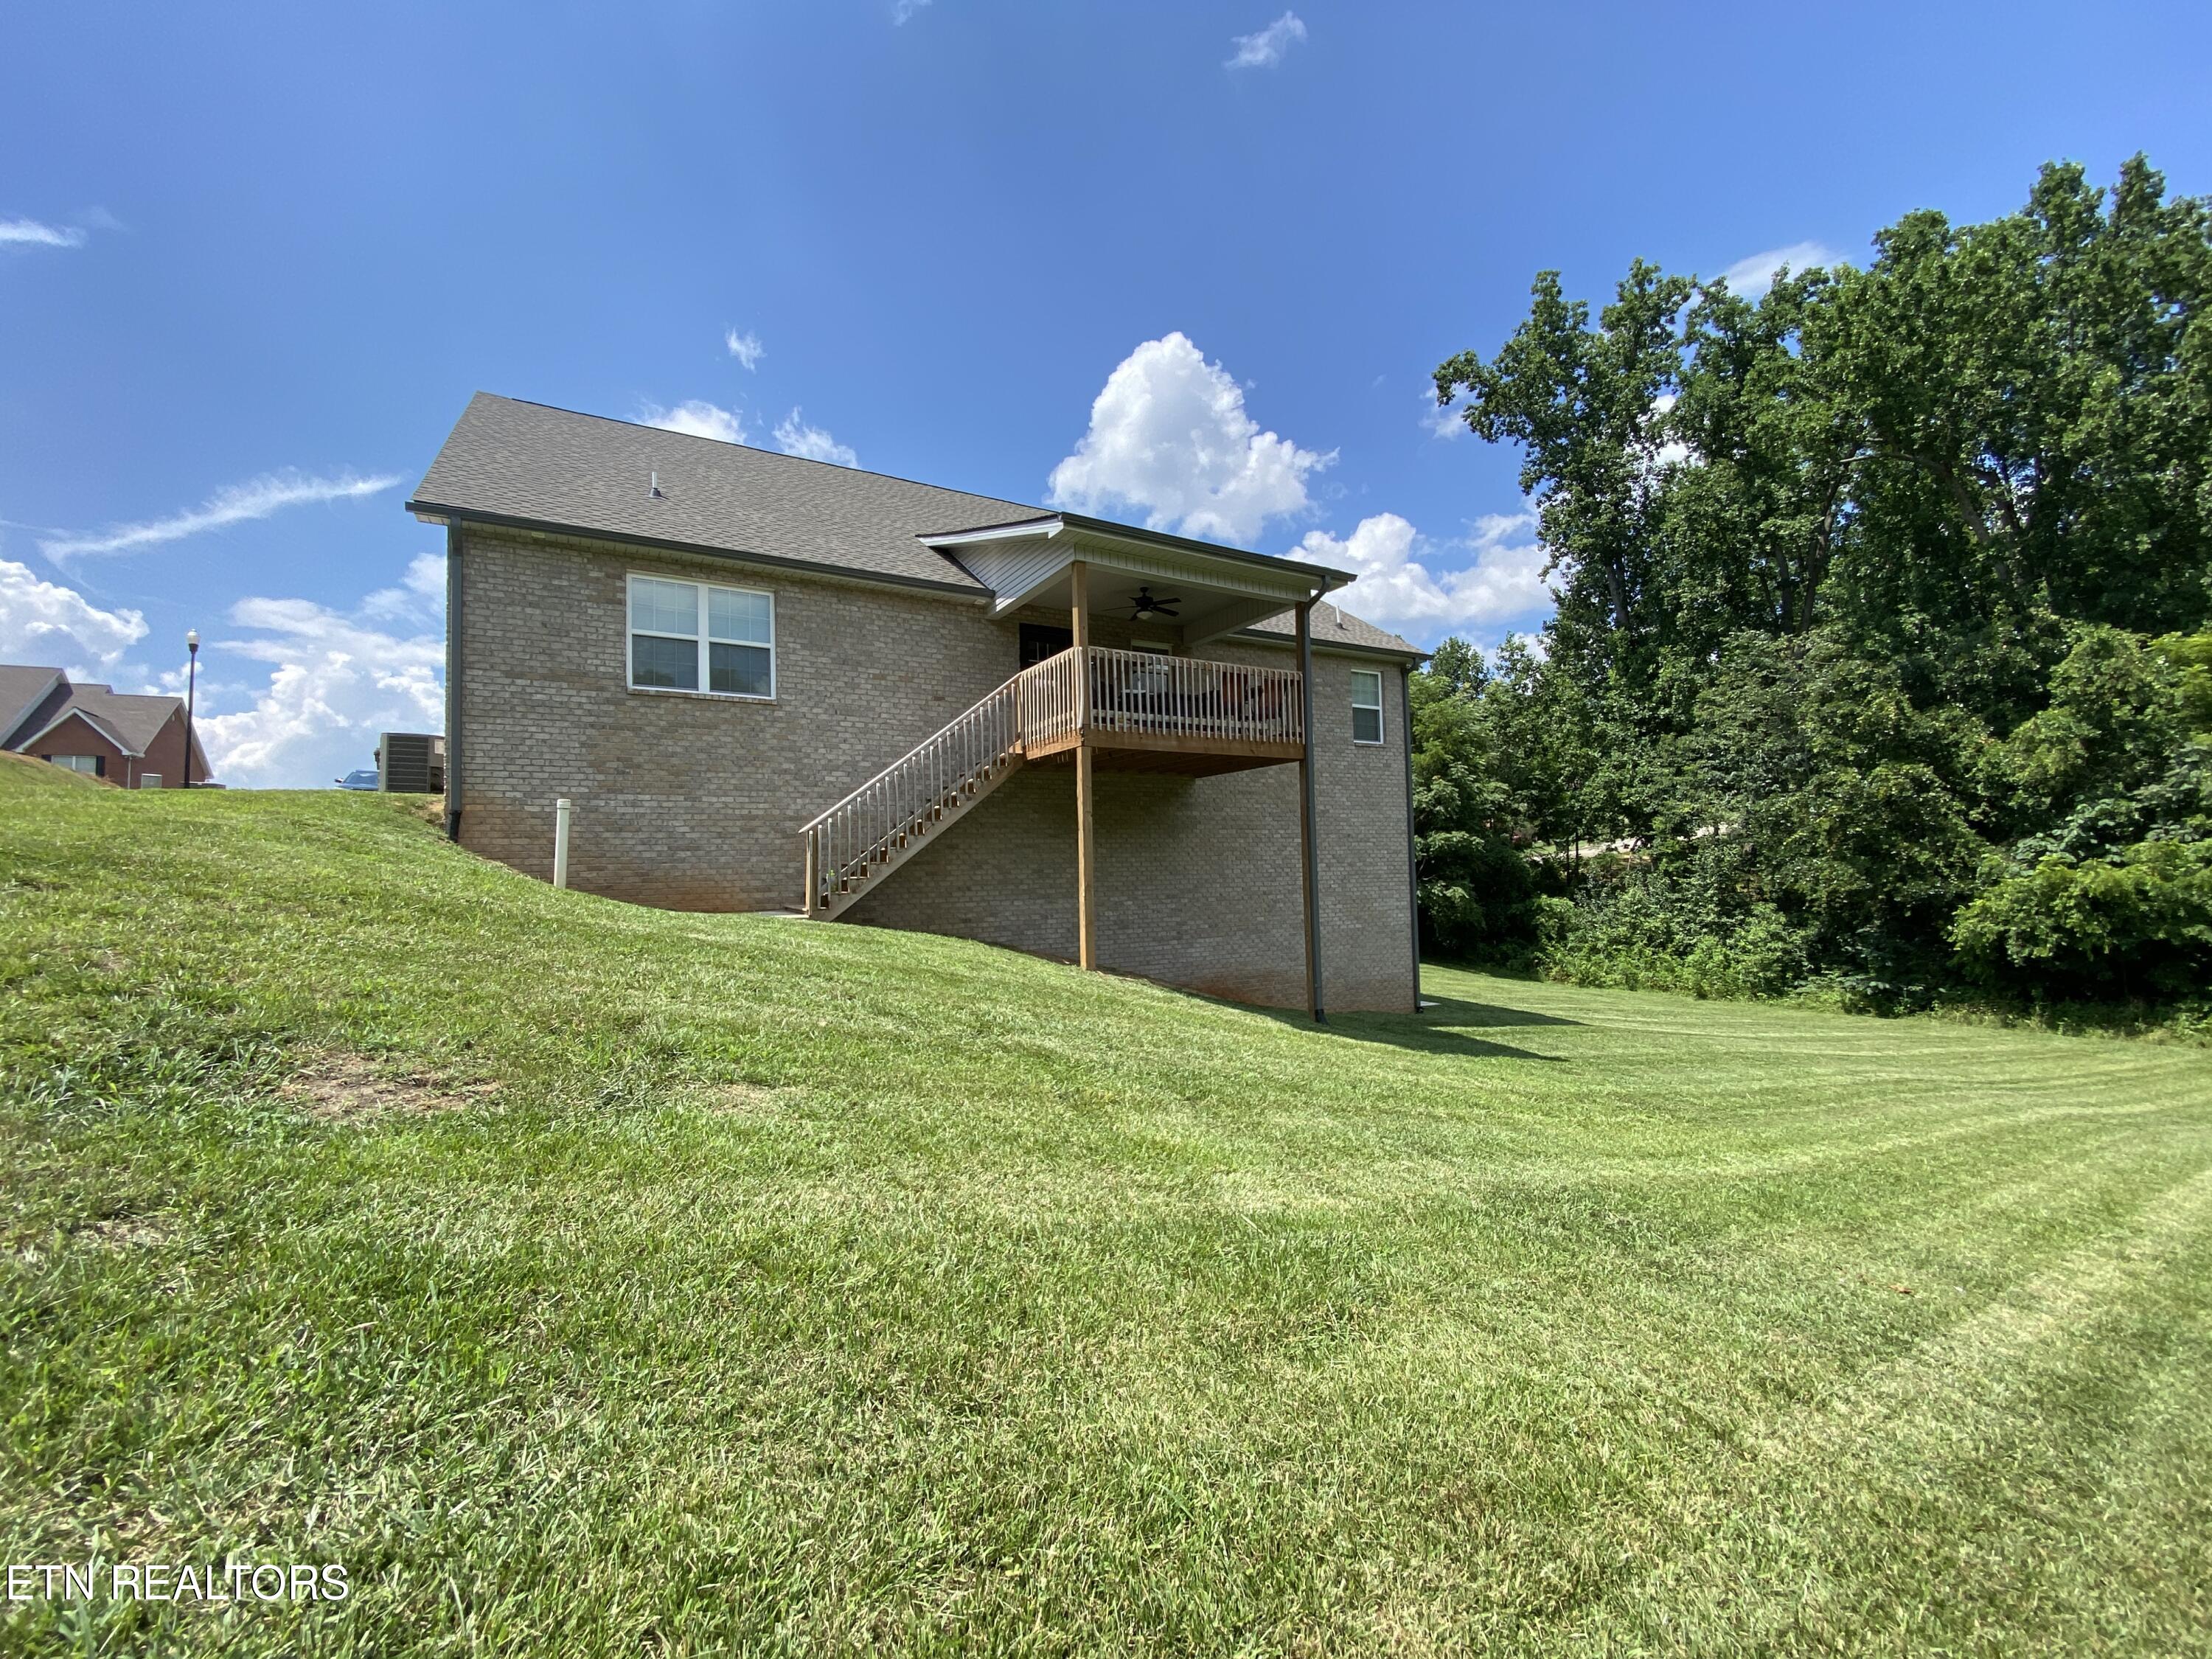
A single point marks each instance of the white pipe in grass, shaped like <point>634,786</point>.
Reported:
<point>562,812</point>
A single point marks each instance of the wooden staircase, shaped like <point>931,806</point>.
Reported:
<point>1136,709</point>
<point>851,848</point>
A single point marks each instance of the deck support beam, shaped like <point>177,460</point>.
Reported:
<point>1309,838</point>
<point>1086,859</point>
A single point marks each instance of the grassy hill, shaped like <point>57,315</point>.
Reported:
<point>590,1279</point>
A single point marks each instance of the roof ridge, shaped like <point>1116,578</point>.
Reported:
<point>772,454</point>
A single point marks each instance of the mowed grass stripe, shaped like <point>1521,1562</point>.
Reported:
<point>798,1288</point>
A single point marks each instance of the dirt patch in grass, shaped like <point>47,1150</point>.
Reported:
<point>739,1098</point>
<point>425,809</point>
<point>345,1088</point>
<point>115,1234</point>
<point>124,1233</point>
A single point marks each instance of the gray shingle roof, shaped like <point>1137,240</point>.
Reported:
<point>137,720</point>
<point>1334,626</point>
<point>22,688</point>
<point>531,463</point>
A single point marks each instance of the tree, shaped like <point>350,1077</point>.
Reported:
<point>1872,591</point>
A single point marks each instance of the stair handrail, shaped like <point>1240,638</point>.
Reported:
<point>1127,691</point>
<point>843,842</point>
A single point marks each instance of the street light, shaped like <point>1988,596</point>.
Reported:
<point>192,690</point>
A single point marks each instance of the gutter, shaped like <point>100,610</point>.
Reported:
<point>438,512</point>
<point>1334,648</point>
<point>1048,527</point>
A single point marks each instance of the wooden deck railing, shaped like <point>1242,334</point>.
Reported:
<point>1096,692</point>
<point>1143,694</point>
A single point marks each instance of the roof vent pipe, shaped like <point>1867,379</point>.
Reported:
<point>653,486</point>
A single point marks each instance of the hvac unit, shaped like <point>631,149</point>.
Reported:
<point>410,764</point>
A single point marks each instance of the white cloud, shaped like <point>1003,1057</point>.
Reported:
<point>905,8</point>
<point>794,437</point>
<point>31,232</point>
<point>258,498</point>
<point>1170,436</point>
<point>1265,48</point>
<point>335,681</point>
<point>745,348</point>
<point>50,626</point>
<point>1674,452</point>
<point>699,418</point>
<point>1751,277</point>
<point>1447,420</point>
<point>1402,587</point>
<point>422,591</point>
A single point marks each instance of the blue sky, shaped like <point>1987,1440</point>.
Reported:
<point>254,260</point>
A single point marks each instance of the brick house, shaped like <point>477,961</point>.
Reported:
<point>769,683</point>
<point>133,742</point>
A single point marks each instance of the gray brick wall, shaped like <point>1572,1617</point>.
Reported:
<point>695,803</point>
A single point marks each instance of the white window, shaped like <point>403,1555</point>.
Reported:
<point>1366,706</point>
<point>96,765</point>
<point>692,636</point>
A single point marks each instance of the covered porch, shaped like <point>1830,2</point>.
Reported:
<point>1154,704</point>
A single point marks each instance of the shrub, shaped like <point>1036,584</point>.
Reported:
<point>2140,924</point>
<point>1654,934</point>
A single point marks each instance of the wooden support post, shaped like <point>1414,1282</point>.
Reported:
<point>1309,858</point>
<point>813,874</point>
<point>1086,865</point>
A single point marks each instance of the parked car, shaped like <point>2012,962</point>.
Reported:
<point>364,778</point>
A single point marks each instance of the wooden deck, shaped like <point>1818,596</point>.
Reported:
<point>1119,711</point>
<point>1194,756</point>
<point>1139,712</point>
<point>1092,708</point>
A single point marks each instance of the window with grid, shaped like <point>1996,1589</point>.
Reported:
<point>696,636</point>
<point>1366,706</point>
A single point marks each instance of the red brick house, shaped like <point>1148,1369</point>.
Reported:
<point>132,742</point>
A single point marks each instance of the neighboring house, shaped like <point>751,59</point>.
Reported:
<point>134,742</point>
<point>772,682</point>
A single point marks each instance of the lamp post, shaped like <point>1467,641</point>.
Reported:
<point>191,691</point>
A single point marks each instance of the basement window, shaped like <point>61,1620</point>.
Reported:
<point>92,765</point>
<point>1366,706</point>
<point>695,636</point>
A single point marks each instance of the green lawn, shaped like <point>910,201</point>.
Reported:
<point>588,1278</point>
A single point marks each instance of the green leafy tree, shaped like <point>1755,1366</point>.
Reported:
<point>1872,593</point>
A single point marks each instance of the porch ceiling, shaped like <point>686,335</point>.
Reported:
<point>1205,611</point>
<point>1220,590</point>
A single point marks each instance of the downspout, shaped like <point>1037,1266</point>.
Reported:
<point>452,681</point>
<point>1308,828</point>
<point>1413,877</point>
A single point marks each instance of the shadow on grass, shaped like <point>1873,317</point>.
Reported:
<point>1441,1028</point>
<point>1452,1011</point>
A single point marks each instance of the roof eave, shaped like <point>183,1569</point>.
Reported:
<point>1050,525</point>
<point>91,719</point>
<point>445,513</point>
<point>57,677</point>
<point>1394,653</point>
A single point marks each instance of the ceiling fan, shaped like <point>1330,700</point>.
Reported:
<point>1148,609</point>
